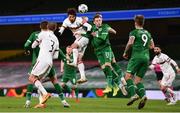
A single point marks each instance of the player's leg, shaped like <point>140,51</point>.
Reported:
<point>107,69</point>
<point>75,87</point>
<point>166,87</point>
<point>81,67</point>
<point>142,68</point>
<point>28,95</point>
<point>78,43</point>
<point>40,101</point>
<point>118,78</point>
<point>82,43</point>
<point>104,59</point>
<point>159,76</point>
<point>40,68</point>
<point>53,78</point>
<point>29,92</point>
<point>131,69</point>
<point>64,85</point>
<point>59,90</point>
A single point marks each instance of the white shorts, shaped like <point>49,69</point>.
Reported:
<point>167,79</point>
<point>41,69</point>
<point>82,42</point>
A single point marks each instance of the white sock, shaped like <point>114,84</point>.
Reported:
<point>40,87</point>
<point>81,71</point>
<point>75,56</point>
<point>40,96</point>
<point>123,81</point>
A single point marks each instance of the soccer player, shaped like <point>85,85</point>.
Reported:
<point>166,63</point>
<point>69,74</point>
<point>49,50</point>
<point>102,49</point>
<point>76,25</point>
<point>141,41</point>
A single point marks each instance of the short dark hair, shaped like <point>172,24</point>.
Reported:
<point>71,11</point>
<point>43,24</point>
<point>52,26</point>
<point>98,15</point>
<point>139,19</point>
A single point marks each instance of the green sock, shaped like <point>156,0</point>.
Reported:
<point>67,88</point>
<point>29,91</point>
<point>131,88</point>
<point>140,89</point>
<point>108,72</point>
<point>59,91</point>
<point>117,69</point>
<point>116,79</point>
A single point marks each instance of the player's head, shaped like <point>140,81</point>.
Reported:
<point>43,25</point>
<point>139,20</point>
<point>52,26</point>
<point>71,14</point>
<point>97,20</point>
<point>157,50</point>
<point>68,50</point>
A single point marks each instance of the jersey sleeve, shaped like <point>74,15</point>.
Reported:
<point>65,23</point>
<point>62,56</point>
<point>166,58</point>
<point>131,34</point>
<point>107,27</point>
<point>37,41</point>
<point>29,41</point>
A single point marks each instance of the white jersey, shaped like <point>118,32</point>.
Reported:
<point>165,63</point>
<point>76,26</point>
<point>49,46</point>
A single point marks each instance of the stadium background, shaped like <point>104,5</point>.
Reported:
<point>14,65</point>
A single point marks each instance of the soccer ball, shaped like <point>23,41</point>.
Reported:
<point>82,8</point>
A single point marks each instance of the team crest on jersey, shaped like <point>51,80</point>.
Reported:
<point>100,29</point>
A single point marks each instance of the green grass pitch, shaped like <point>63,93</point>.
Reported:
<point>12,104</point>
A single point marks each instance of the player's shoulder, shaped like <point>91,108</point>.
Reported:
<point>164,55</point>
<point>66,21</point>
<point>35,32</point>
<point>134,31</point>
<point>105,25</point>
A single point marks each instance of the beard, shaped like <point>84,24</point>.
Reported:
<point>157,53</point>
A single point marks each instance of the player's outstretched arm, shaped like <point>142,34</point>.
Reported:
<point>111,30</point>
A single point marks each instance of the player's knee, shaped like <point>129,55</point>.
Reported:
<point>32,78</point>
<point>54,80</point>
<point>74,45</point>
<point>62,84</point>
<point>137,80</point>
<point>128,76</point>
<point>106,65</point>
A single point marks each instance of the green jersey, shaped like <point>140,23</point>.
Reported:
<point>27,46</point>
<point>140,48</point>
<point>101,40</point>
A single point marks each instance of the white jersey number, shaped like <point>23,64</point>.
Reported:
<point>144,39</point>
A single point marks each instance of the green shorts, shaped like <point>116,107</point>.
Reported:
<point>71,78</point>
<point>105,55</point>
<point>138,66</point>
